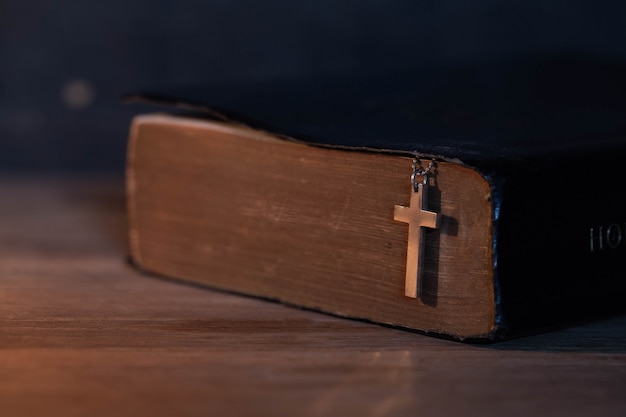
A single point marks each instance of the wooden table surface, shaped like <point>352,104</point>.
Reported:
<point>85,334</point>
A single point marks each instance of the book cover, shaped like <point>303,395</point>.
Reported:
<point>299,190</point>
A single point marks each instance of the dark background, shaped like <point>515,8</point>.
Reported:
<point>65,65</point>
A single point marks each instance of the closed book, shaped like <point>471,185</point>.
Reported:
<point>476,203</point>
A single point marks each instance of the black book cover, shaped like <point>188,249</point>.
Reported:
<point>548,132</point>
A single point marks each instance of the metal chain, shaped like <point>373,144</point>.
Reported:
<point>419,171</point>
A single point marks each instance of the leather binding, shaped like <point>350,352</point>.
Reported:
<point>548,132</point>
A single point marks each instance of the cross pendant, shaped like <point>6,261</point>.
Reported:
<point>417,216</point>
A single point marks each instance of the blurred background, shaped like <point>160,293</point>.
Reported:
<point>64,65</point>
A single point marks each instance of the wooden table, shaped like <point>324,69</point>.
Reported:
<point>85,334</point>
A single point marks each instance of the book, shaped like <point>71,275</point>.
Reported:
<point>477,204</point>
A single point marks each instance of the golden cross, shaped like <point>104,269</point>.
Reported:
<point>417,217</point>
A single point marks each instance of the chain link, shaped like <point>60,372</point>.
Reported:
<point>420,171</point>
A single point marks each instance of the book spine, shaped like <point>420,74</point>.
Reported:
<point>561,240</point>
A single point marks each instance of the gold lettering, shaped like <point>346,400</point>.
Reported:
<point>602,237</point>
<point>593,237</point>
<point>613,236</point>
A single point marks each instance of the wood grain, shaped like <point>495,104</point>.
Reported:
<point>83,333</point>
<point>241,210</point>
